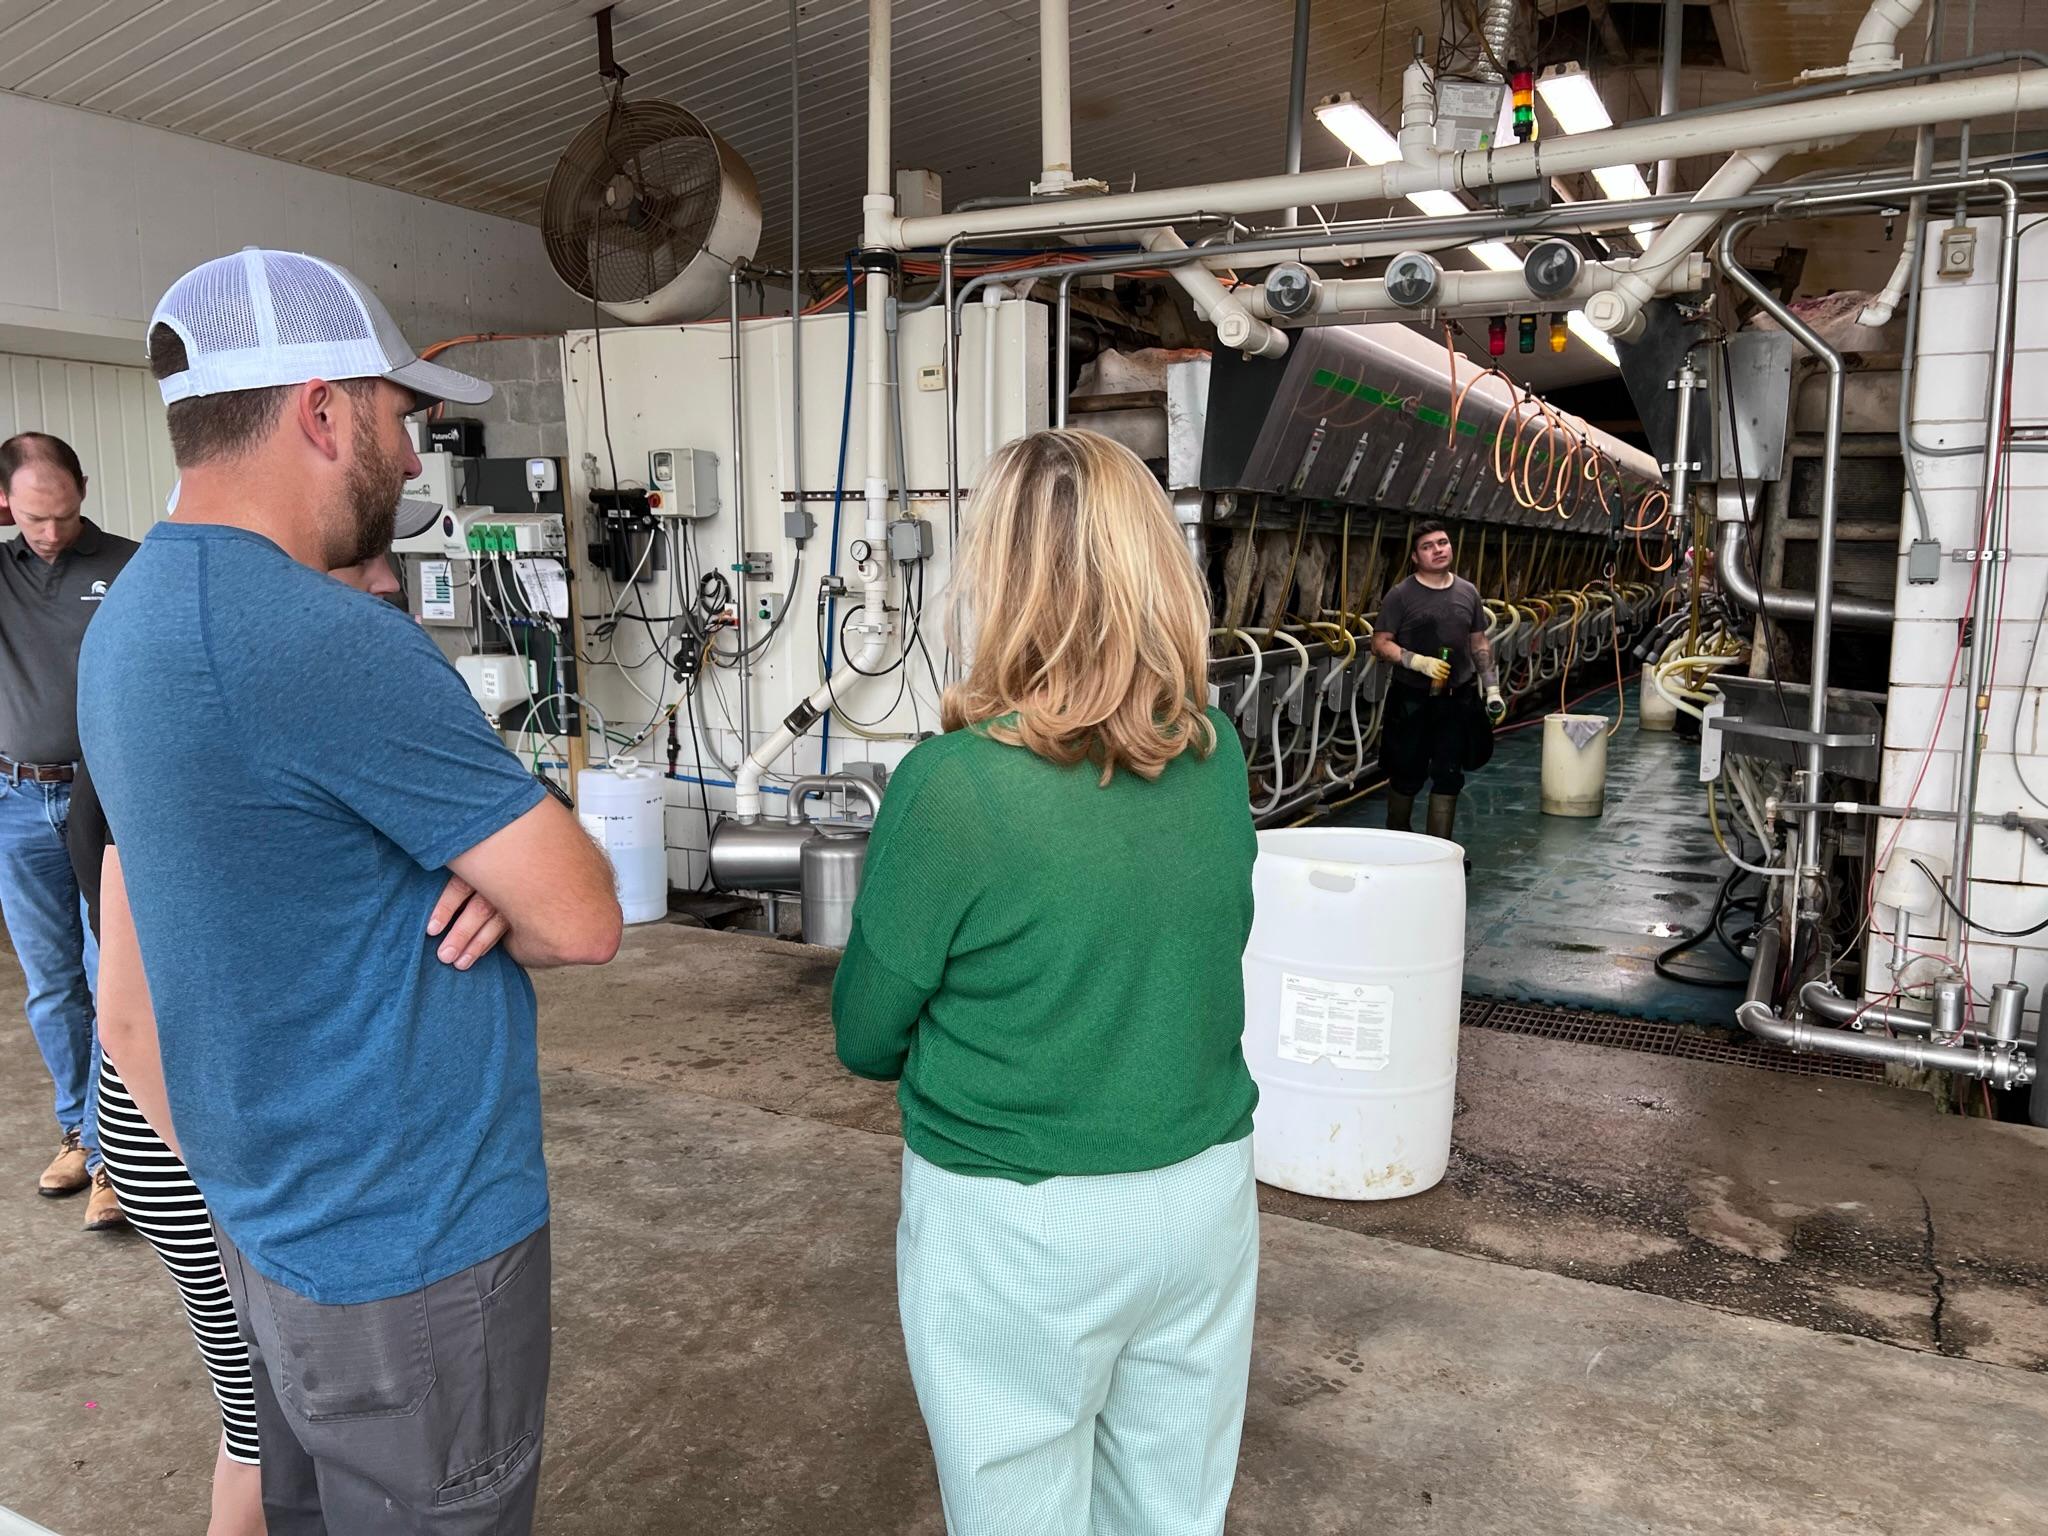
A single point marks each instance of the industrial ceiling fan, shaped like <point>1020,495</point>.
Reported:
<point>648,210</point>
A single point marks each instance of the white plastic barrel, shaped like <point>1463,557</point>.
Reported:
<point>1574,765</point>
<point>1654,712</point>
<point>1352,982</point>
<point>623,813</point>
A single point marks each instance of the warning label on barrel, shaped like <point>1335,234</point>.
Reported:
<point>1348,1024</point>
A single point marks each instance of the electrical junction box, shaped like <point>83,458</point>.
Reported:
<point>440,481</point>
<point>497,682</point>
<point>910,540</point>
<point>1468,114</point>
<point>468,532</point>
<point>683,482</point>
<point>1958,250</point>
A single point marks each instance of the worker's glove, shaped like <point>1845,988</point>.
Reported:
<point>1435,668</point>
<point>1496,706</point>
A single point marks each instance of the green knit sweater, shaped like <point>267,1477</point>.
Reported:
<point>1051,965</point>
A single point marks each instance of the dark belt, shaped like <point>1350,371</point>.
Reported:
<point>36,773</point>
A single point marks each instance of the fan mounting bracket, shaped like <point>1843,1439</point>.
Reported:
<point>608,66</point>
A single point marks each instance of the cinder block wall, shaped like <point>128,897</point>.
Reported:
<point>525,417</point>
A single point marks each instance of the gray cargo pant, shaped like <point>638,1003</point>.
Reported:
<point>419,1413</point>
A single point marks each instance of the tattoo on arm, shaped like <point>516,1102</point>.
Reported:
<point>1482,659</point>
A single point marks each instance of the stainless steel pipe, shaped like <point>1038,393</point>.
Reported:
<point>1731,570</point>
<point>1824,552</point>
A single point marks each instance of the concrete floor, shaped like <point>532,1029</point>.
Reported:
<point>1652,1295</point>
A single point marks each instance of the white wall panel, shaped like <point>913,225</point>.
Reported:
<point>113,416</point>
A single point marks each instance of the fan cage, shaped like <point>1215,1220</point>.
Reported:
<point>632,201</point>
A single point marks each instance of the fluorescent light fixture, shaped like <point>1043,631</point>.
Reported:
<point>1569,94</point>
<point>1438,204</point>
<point>1595,338</point>
<point>1357,129</point>
<point>1573,100</point>
<point>1621,181</point>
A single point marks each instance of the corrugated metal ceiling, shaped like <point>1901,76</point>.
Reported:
<point>471,100</point>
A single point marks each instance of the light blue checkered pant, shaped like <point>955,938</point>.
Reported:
<point>1081,1346</point>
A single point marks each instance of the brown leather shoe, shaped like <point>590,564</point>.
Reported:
<point>66,1174</point>
<point>103,1211</point>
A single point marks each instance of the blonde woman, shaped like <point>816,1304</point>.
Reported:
<point>1046,952</point>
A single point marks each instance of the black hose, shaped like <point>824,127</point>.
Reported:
<point>1709,929</point>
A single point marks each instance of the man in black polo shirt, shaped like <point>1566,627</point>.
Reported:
<point>52,577</point>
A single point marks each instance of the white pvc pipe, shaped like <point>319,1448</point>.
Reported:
<point>1877,39</point>
<point>1055,99</point>
<point>881,41</point>
<point>1418,115</point>
<point>1798,122</point>
<point>1235,326</point>
<point>1618,312</point>
<point>1476,292</point>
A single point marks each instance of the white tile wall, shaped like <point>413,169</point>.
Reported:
<point>1951,387</point>
<point>2009,888</point>
<point>1954,513</point>
<point>1954,318</point>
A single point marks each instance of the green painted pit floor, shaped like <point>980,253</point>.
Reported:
<point>1572,912</point>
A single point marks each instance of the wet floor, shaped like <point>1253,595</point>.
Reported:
<point>1574,911</point>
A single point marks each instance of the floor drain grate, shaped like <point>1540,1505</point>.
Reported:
<point>1657,1038</point>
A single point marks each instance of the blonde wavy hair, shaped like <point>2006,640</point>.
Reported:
<point>1091,624</point>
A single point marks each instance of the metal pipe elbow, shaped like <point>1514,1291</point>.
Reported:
<point>1731,570</point>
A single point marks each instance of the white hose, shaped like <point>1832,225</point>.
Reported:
<point>1280,784</point>
<point>1258,671</point>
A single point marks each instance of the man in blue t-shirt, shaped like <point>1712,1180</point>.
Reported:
<point>292,772</point>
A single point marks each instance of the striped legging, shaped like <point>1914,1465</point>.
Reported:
<point>163,1204</point>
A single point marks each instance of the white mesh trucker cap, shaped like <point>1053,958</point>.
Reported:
<point>265,319</point>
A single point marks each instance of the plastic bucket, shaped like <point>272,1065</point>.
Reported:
<point>1574,765</point>
<point>1654,712</point>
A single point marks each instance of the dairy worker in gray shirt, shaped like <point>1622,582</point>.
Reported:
<point>52,577</point>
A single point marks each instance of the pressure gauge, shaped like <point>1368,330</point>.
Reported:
<point>1413,279</point>
<point>861,550</point>
<point>1552,268</point>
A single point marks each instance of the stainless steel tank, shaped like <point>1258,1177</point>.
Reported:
<point>768,855</point>
<point>832,862</point>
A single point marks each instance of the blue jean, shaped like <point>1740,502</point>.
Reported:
<point>46,924</point>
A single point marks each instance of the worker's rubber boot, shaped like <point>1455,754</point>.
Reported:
<point>1443,818</point>
<point>1443,815</point>
<point>1400,812</point>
